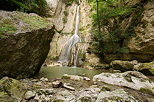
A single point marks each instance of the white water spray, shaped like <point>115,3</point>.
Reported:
<point>67,53</point>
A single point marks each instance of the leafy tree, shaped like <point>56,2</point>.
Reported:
<point>36,6</point>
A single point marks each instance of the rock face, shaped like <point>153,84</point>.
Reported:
<point>132,79</point>
<point>23,52</point>
<point>142,46</point>
<point>66,29</point>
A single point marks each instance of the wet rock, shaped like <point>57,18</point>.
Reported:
<point>123,65</point>
<point>131,79</point>
<point>56,84</point>
<point>11,90</point>
<point>118,95</point>
<point>30,94</point>
<point>72,77</point>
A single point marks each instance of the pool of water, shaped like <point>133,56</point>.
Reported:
<point>58,72</point>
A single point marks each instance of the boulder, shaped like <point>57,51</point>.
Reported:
<point>24,43</point>
<point>118,95</point>
<point>133,65</point>
<point>131,79</point>
<point>123,65</point>
<point>11,90</point>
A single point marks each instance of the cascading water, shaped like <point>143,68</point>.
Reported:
<point>67,55</point>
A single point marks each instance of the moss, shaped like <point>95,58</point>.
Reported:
<point>152,71</point>
<point>29,22</point>
<point>70,2</point>
<point>34,22</point>
<point>114,99</point>
<point>147,91</point>
<point>66,12</point>
<point>105,89</point>
<point>6,26</point>
<point>65,19</point>
<point>85,99</point>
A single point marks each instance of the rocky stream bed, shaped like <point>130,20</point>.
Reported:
<point>73,88</point>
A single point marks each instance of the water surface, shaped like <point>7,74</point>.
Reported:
<point>58,72</point>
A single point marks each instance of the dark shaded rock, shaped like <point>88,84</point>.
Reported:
<point>22,53</point>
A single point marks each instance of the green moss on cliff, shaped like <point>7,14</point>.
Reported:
<point>70,2</point>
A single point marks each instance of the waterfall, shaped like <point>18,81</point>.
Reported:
<point>70,51</point>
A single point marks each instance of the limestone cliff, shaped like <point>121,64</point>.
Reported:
<point>63,16</point>
<point>142,45</point>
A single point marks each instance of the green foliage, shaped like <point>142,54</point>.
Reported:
<point>65,16</point>
<point>111,14</point>
<point>66,12</point>
<point>36,6</point>
<point>70,2</point>
<point>65,19</point>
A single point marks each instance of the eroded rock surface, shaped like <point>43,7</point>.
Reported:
<point>24,47</point>
<point>131,79</point>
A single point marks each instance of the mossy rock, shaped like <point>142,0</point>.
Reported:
<point>152,71</point>
<point>147,91</point>
<point>11,89</point>
<point>12,22</point>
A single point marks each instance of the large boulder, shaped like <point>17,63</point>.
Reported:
<point>123,65</point>
<point>24,43</point>
<point>131,79</point>
<point>133,65</point>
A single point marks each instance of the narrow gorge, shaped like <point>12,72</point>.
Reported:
<point>77,51</point>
